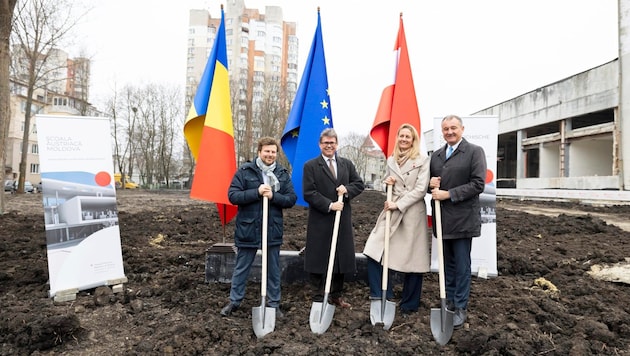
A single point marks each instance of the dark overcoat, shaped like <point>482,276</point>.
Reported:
<point>243,192</point>
<point>319,189</point>
<point>464,176</point>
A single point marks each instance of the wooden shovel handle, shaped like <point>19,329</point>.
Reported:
<point>265,220</point>
<point>388,221</point>
<point>438,229</point>
<point>333,247</point>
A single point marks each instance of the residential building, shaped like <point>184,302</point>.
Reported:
<point>262,62</point>
<point>64,91</point>
<point>368,159</point>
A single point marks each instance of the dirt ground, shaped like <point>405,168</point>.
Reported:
<point>167,307</point>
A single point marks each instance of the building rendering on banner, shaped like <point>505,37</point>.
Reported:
<point>262,63</point>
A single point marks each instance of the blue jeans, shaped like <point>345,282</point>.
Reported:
<point>457,270</point>
<point>244,260</point>
<point>375,280</point>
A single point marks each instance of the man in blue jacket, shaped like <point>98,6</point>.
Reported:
<point>251,182</point>
<point>458,176</point>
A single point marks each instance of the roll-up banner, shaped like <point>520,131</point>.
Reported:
<point>79,199</point>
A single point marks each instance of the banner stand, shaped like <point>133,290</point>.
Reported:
<point>79,199</point>
<point>71,294</point>
<point>66,295</point>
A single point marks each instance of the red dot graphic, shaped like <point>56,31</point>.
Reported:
<point>489,176</point>
<point>102,178</point>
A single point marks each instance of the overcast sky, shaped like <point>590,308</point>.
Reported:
<point>465,55</point>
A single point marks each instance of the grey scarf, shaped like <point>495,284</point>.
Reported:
<point>268,171</point>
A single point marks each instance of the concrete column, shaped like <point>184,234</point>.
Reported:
<point>520,159</point>
<point>565,159</point>
<point>624,93</point>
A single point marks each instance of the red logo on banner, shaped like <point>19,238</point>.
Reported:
<point>103,179</point>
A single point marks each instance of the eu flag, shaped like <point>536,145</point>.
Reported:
<point>310,113</point>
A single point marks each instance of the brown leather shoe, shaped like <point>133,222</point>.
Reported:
<point>339,302</point>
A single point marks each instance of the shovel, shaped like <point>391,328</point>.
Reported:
<point>441,318</point>
<point>383,311</point>
<point>263,317</point>
<point>322,312</point>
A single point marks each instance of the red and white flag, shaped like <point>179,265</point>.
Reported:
<point>398,103</point>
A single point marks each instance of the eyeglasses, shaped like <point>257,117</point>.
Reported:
<point>328,143</point>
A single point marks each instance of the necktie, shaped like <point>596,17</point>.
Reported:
<point>449,152</point>
<point>332,168</point>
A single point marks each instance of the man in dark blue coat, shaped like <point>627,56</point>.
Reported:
<point>458,176</point>
<point>251,182</point>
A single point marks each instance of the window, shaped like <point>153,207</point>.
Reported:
<point>34,167</point>
<point>34,130</point>
<point>532,159</point>
<point>34,148</point>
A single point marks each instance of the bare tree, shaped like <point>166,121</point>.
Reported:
<point>147,133</point>
<point>242,113</point>
<point>123,110</point>
<point>271,112</point>
<point>352,148</point>
<point>40,26</point>
<point>158,124</point>
<point>6,21</point>
<point>239,118</point>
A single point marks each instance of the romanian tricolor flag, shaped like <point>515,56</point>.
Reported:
<point>209,131</point>
<point>398,103</point>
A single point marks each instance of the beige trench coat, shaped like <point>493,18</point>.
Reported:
<point>409,240</point>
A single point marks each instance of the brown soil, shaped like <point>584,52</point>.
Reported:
<point>167,307</point>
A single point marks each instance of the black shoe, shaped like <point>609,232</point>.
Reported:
<point>279,313</point>
<point>405,313</point>
<point>228,309</point>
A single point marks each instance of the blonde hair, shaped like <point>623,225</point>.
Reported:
<point>415,145</point>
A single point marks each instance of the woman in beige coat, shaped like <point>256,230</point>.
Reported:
<point>409,244</point>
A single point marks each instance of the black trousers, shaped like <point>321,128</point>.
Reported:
<point>318,284</point>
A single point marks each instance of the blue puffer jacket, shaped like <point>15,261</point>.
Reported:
<point>244,193</point>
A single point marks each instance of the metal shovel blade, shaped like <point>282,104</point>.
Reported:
<point>263,320</point>
<point>382,312</point>
<point>321,316</point>
<point>442,324</point>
